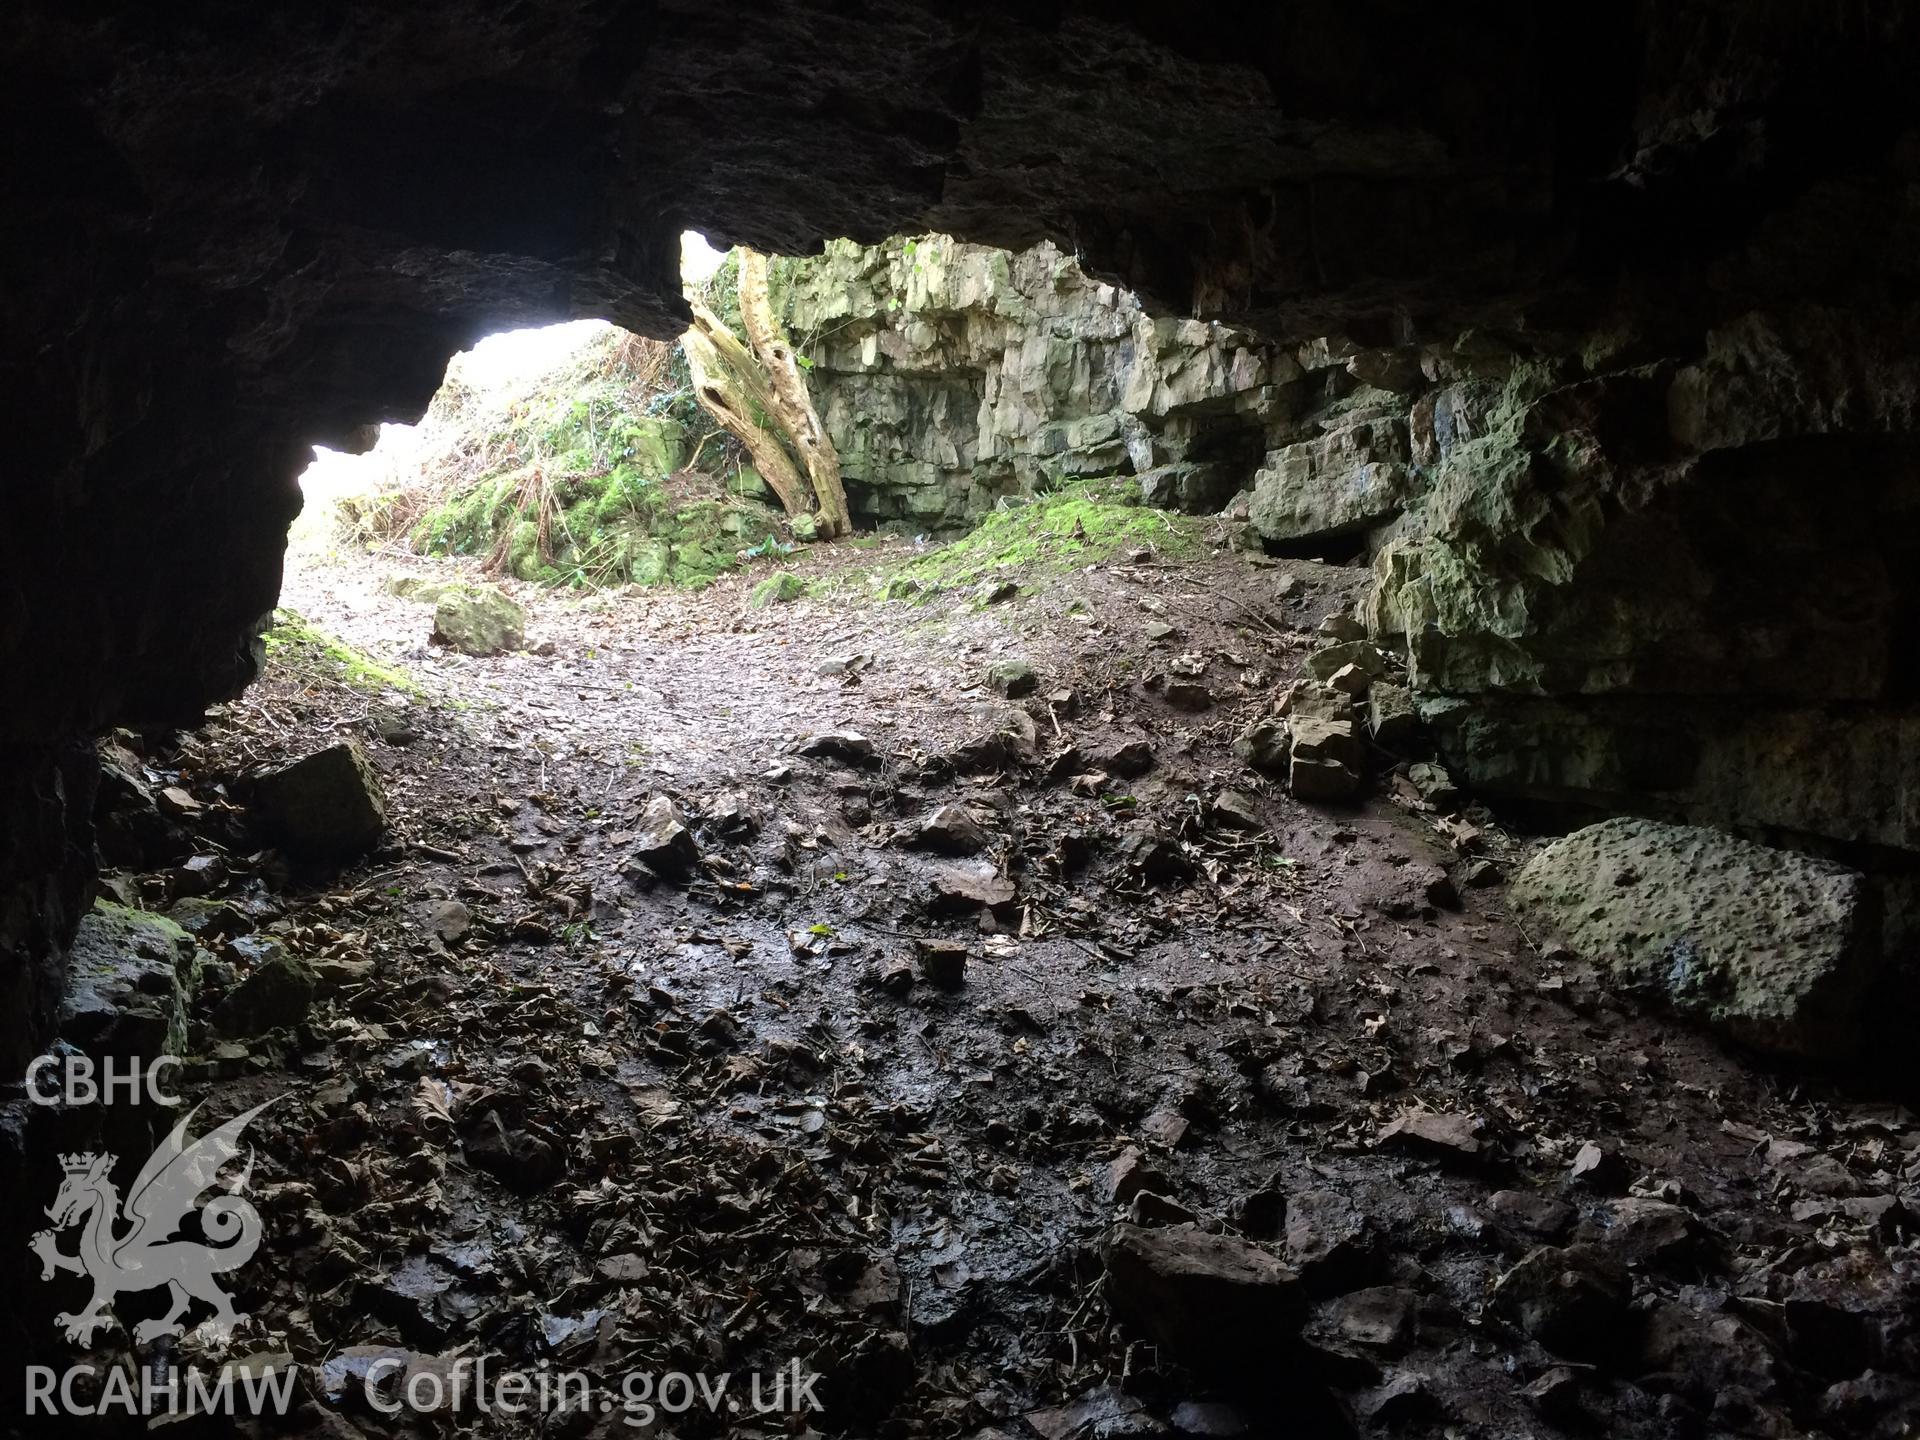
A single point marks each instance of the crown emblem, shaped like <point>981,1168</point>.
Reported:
<point>145,1255</point>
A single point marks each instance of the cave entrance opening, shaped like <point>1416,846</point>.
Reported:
<point>816,947</point>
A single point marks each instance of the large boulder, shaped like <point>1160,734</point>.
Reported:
<point>1216,1301</point>
<point>327,806</point>
<point>1325,754</point>
<point>277,994</point>
<point>478,620</point>
<point>1341,483</point>
<point>1773,948</point>
<point>130,976</point>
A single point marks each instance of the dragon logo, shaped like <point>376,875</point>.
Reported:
<point>147,1255</point>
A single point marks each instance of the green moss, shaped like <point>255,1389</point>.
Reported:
<point>1080,524</point>
<point>777,590</point>
<point>298,645</point>
<point>569,481</point>
<point>414,587</point>
<point>603,529</point>
<point>164,935</point>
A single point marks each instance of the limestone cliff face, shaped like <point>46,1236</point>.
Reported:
<point>951,374</point>
<point>1648,566</point>
<point>1681,584</point>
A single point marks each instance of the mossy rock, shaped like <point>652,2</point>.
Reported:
<point>649,560</point>
<point>657,446</point>
<point>698,566</point>
<point>1077,525</point>
<point>778,589</point>
<point>327,806</point>
<point>414,587</point>
<point>129,978</point>
<point>276,995</point>
<point>749,484</point>
<point>478,620</point>
<point>293,642</point>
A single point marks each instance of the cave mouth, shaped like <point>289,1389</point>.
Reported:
<point>652,906</point>
<point>1333,547</point>
<point>862,841</point>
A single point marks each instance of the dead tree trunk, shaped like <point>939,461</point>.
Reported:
<point>792,405</point>
<point>727,382</point>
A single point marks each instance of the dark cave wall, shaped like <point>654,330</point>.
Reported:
<point>46,880</point>
<point>228,231</point>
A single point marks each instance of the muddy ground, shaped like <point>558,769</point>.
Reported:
<point>557,1108</point>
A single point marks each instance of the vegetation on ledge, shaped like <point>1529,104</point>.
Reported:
<point>1079,524</point>
<point>300,645</point>
<point>590,474</point>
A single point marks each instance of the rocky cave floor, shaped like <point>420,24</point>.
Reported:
<point>834,1094</point>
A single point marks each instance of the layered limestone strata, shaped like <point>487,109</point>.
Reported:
<point>950,375</point>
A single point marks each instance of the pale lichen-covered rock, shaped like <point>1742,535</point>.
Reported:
<point>1774,949</point>
<point>951,374</point>
<point>1326,758</point>
<point>327,806</point>
<point>478,620</point>
<point>1346,481</point>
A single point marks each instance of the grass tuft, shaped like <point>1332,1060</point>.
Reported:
<point>1080,524</point>
<point>301,646</point>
